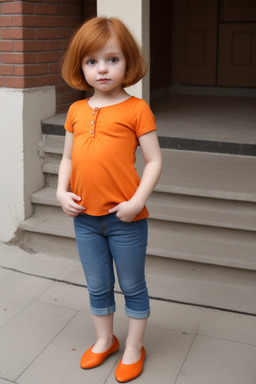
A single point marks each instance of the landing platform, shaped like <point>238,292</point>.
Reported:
<point>219,124</point>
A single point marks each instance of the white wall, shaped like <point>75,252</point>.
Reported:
<point>135,14</point>
<point>21,113</point>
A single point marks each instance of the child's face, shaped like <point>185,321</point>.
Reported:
<point>105,69</point>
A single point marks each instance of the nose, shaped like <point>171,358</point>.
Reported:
<point>102,67</point>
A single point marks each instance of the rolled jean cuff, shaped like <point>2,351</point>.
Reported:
<point>137,314</point>
<point>103,311</point>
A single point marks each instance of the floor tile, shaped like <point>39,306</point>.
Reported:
<point>40,264</point>
<point>62,357</point>
<point>45,265</point>
<point>68,296</point>
<point>229,326</point>
<point>10,255</point>
<point>216,361</point>
<point>17,291</point>
<point>166,351</point>
<point>77,276</point>
<point>28,334</point>
<point>178,317</point>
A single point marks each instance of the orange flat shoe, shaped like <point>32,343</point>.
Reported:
<point>125,372</point>
<point>92,360</point>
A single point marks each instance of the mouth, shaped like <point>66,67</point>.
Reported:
<point>103,80</point>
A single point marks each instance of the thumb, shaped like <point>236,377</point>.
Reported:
<point>114,209</point>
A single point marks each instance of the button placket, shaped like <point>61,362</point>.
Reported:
<point>93,122</point>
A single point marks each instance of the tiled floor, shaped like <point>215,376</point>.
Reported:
<point>45,326</point>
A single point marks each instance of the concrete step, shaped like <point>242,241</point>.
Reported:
<point>211,175</point>
<point>179,208</point>
<point>168,239</point>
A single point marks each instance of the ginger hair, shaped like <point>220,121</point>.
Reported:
<point>91,37</point>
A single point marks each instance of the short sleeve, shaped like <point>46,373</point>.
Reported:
<point>145,120</point>
<point>69,121</point>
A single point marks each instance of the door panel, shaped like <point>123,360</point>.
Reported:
<point>238,10</point>
<point>195,42</point>
<point>237,55</point>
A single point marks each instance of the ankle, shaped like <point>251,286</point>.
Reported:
<point>103,344</point>
<point>131,354</point>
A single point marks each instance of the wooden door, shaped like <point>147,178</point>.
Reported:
<point>237,43</point>
<point>237,10</point>
<point>194,42</point>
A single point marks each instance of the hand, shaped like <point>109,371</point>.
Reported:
<point>126,211</point>
<point>68,203</point>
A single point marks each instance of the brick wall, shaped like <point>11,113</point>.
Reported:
<point>34,36</point>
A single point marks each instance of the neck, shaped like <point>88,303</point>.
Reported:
<point>102,99</point>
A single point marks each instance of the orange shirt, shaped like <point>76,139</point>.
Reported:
<point>105,141</point>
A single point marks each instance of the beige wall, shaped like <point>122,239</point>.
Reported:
<point>21,167</point>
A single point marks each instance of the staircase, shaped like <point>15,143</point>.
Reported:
<point>202,226</point>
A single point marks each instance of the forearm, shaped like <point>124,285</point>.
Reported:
<point>149,179</point>
<point>64,176</point>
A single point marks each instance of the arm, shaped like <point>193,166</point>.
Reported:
<point>127,210</point>
<point>67,199</point>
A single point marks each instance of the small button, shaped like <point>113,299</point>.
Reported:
<point>96,109</point>
<point>92,122</point>
<point>91,131</point>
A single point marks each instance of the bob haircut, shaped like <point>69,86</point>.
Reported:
<point>91,37</point>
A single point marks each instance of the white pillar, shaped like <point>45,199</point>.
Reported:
<point>21,167</point>
<point>135,14</point>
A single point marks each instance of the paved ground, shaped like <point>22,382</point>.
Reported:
<point>45,326</point>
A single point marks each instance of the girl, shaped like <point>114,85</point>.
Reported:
<point>99,186</point>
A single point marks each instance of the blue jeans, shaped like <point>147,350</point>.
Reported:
<point>102,240</point>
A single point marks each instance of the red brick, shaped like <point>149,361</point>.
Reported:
<point>30,70</point>
<point>12,33</point>
<point>18,7</point>
<point>30,81</point>
<point>62,88</point>
<point>56,45</point>
<point>30,46</point>
<point>46,9</point>
<point>41,21</point>
<point>27,8</point>
<point>13,58</point>
<point>17,21</point>
<point>6,21</point>
<point>68,98</point>
<point>2,79</point>
<point>14,82</point>
<point>46,33</point>
<point>64,33</point>
<point>49,57</point>
<point>18,33</point>
<point>54,68</point>
<point>48,80</point>
<point>65,10</point>
<point>7,70</point>
<point>19,58</point>
<point>10,8</point>
<point>6,46</point>
<point>45,1</point>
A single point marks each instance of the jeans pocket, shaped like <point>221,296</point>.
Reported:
<point>120,221</point>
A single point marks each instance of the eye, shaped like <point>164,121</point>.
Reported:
<point>113,60</point>
<point>91,61</point>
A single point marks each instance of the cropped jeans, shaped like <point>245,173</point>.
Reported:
<point>103,241</point>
